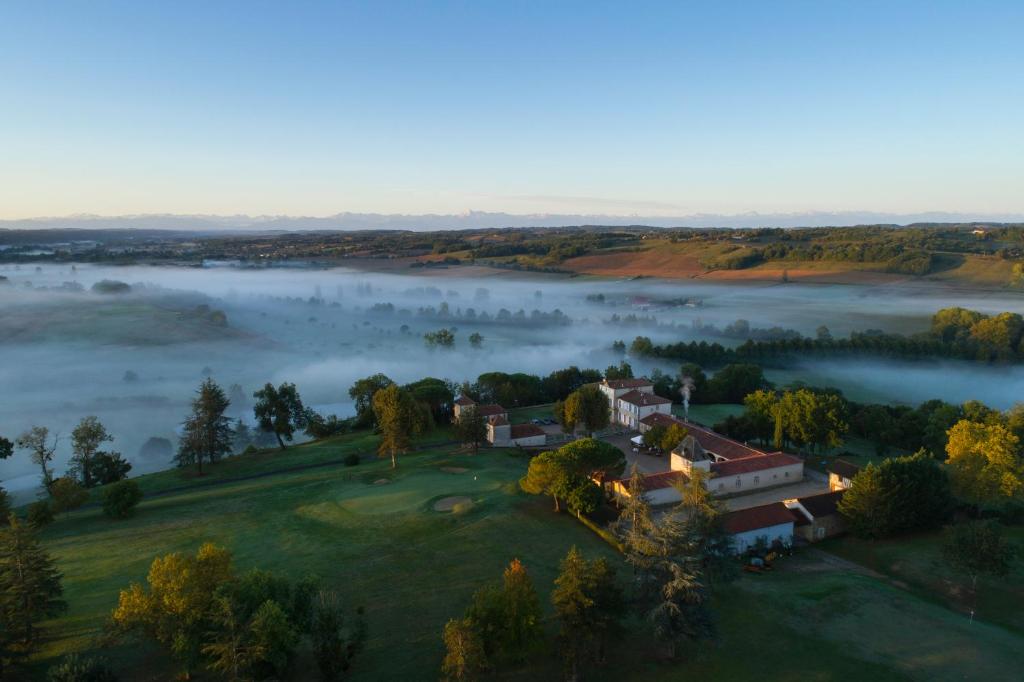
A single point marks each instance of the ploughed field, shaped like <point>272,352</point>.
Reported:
<point>375,536</point>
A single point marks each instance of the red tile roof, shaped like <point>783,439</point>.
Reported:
<point>755,518</point>
<point>661,419</point>
<point>726,448</point>
<point>464,400</point>
<point>526,431</point>
<point>643,399</point>
<point>749,464</point>
<point>488,410</point>
<point>627,383</point>
<point>664,479</point>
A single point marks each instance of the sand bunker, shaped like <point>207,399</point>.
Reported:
<point>448,503</point>
<point>455,470</point>
<point>382,481</point>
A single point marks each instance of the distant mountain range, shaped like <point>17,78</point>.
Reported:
<point>483,220</point>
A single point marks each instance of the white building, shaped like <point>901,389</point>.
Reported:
<point>772,522</point>
<point>500,432</point>
<point>613,389</point>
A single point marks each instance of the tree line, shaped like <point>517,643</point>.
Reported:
<point>954,333</point>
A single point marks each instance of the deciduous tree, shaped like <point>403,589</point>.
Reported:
<point>471,428</point>
<point>37,441</point>
<point>985,464</point>
<point>280,411</point>
<point>586,407</point>
<point>978,548</point>
<point>67,495</point>
<point>399,418</point>
<point>464,658</point>
<point>86,439</point>
<point>362,392</point>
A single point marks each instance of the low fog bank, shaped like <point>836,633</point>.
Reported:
<point>134,359</point>
<point>912,383</point>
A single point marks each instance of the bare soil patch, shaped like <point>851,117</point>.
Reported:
<point>382,481</point>
<point>446,504</point>
<point>454,470</point>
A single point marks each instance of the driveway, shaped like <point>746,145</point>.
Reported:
<point>648,464</point>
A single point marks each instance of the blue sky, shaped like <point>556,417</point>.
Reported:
<point>618,108</point>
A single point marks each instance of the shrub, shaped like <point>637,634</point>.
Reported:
<point>250,449</point>
<point>351,459</point>
<point>40,514</point>
<point>120,499</point>
<point>462,508</point>
<point>77,669</point>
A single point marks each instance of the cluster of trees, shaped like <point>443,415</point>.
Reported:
<point>985,460</point>
<point>247,626</point>
<point>568,474</point>
<point>800,418</point>
<point>504,623</point>
<point>900,495</point>
<point>586,408</point>
<point>519,389</point>
<point>89,467</point>
<point>664,438</point>
<point>676,560</point>
<point>955,333</point>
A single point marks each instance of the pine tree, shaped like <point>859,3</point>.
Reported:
<point>637,531</point>
<point>30,588</point>
<point>522,615</point>
<point>207,434</point>
<point>587,602</point>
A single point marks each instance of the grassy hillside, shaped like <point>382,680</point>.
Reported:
<point>382,546</point>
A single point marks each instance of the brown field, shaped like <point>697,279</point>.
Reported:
<point>672,264</point>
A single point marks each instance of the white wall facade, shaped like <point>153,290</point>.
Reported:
<point>747,539</point>
<point>754,480</point>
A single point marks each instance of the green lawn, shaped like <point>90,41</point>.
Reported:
<point>709,415</point>
<point>383,547</point>
<point>917,562</point>
<point>522,415</point>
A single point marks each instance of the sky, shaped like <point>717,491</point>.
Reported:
<point>671,108</point>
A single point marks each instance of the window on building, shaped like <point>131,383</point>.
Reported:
<point>757,479</point>
<point>787,474</point>
<point>737,482</point>
<point>721,486</point>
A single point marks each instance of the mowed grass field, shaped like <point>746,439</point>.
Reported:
<point>383,547</point>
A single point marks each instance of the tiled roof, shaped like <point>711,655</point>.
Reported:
<point>488,410</point>
<point>726,448</point>
<point>747,465</point>
<point>844,469</point>
<point>755,518</point>
<point>627,383</point>
<point>464,400</point>
<point>643,399</point>
<point>661,419</point>
<point>526,431</point>
<point>665,479</point>
<point>824,504</point>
